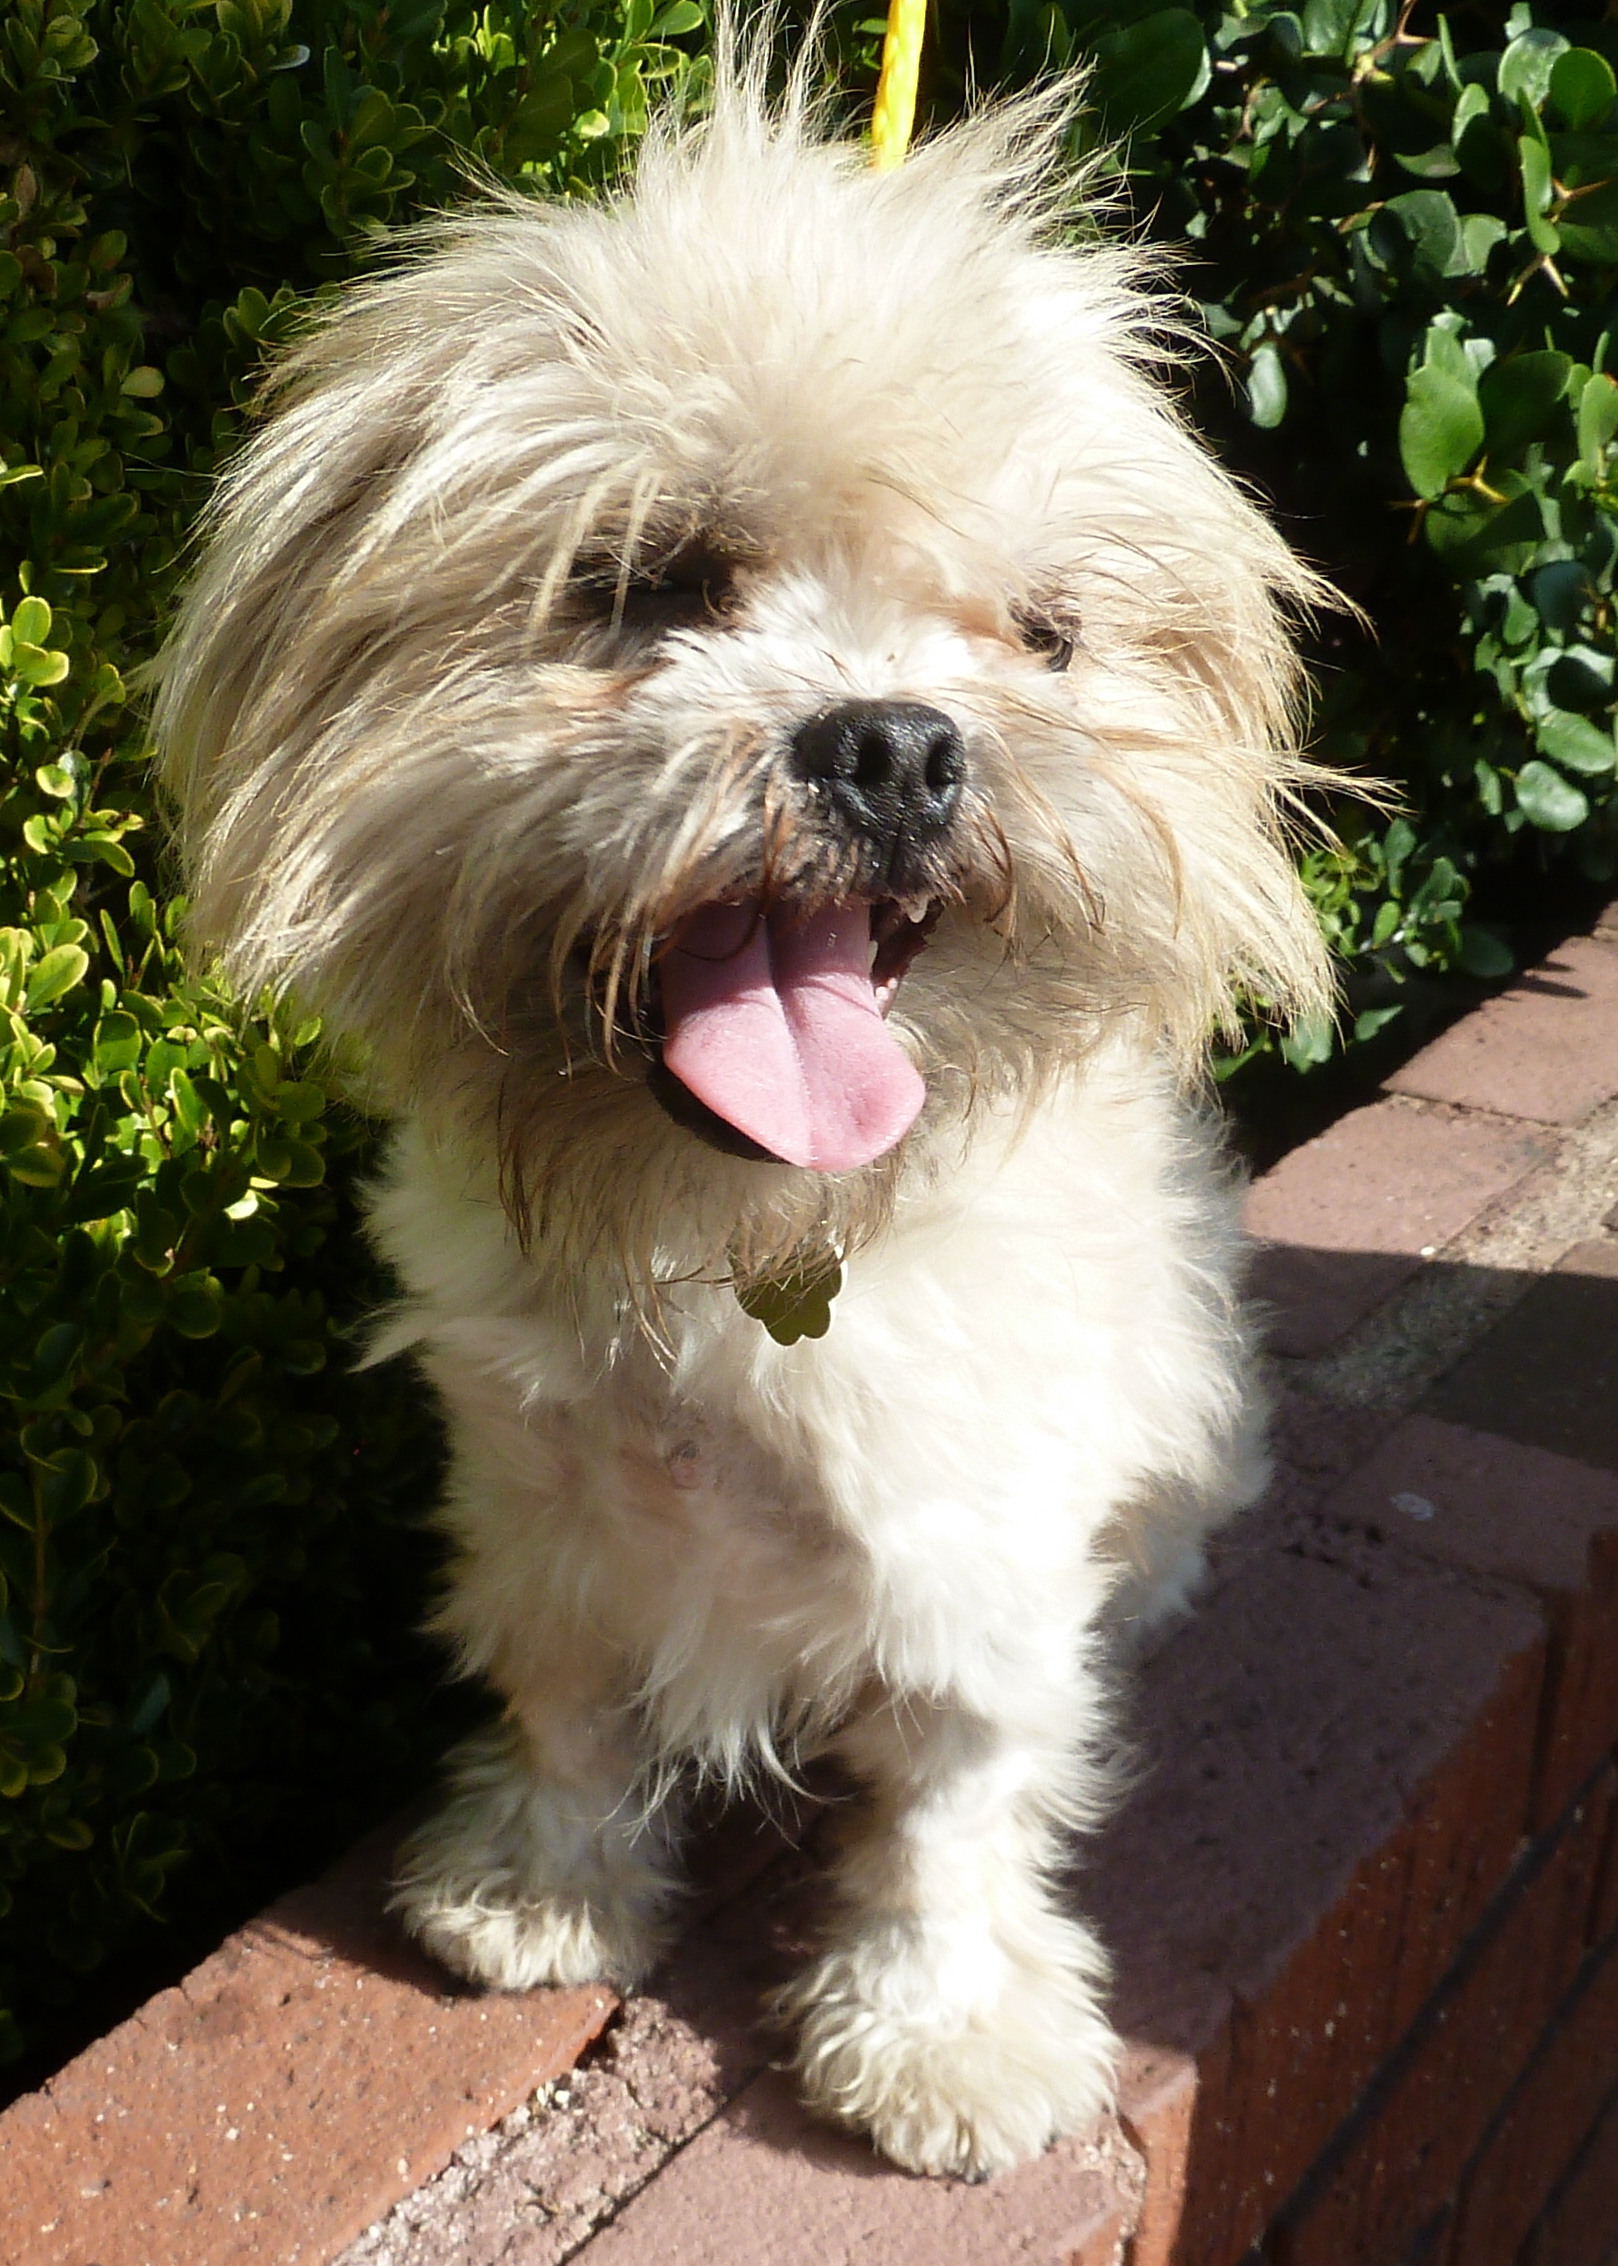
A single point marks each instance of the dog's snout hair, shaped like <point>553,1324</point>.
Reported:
<point>890,773</point>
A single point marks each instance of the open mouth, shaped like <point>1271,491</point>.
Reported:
<point>774,1040</point>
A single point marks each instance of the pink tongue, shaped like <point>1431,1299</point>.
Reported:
<point>774,1024</point>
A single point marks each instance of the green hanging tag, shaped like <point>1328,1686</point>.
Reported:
<point>794,1306</point>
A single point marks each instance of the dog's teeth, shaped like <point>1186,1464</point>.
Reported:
<point>915,909</point>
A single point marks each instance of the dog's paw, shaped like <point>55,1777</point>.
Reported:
<point>489,1934</point>
<point>970,2096</point>
<point>518,1882</point>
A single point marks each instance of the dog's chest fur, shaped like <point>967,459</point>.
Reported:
<point>918,1497</point>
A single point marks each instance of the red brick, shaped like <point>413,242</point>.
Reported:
<point>1547,1373</point>
<point>1398,2164</point>
<point>1157,2101</point>
<point>1545,1049</point>
<point>1336,1764</point>
<point>765,2185</point>
<point>1580,2223</point>
<point>1476,1500</point>
<point>1604,1921</point>
<point>1556,2104</point>
<point>539,2189</point>
<point>1346,1218</point>
<point>298,2082</point>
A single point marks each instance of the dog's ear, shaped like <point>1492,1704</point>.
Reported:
<point>274,637</point>
<point>1181,605</point>
<point>381,535</point>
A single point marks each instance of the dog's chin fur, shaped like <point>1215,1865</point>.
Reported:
<point>458,735</point>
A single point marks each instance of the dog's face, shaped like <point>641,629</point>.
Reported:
<point>712,687</point>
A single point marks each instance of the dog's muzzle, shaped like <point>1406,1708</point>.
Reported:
<point>772,1038</point>
<point>890,773</point>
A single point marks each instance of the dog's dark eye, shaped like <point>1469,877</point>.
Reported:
<point>1046,635</point>
<point>691,579</point>
<point>691,584</point>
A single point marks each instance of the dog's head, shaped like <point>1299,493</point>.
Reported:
<point>713,687</point>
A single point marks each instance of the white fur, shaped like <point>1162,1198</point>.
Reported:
<point>422,782</point>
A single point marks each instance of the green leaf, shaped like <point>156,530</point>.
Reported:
<point>1440,429</point>
<point>148,1704</point>
<point>57,973</point>
<point>117,1043</point>
<point>1527,64</point>
<point>1560,592</point>
<point>1478,143</point>
<point>1519,397</point>
<point>1432,227</point>
<point>1581,678</point>
<point>1537,189</point>
<point>1480,232</point>
<point>99,849</point>
<point>1148,71</point>
<point>58,1347</point>
<point>66,1482</point>
<point>194,1306</point>
<point>31,623</point>
<point>1582,87</point>
<point>540,122</point>
<point>1475,536</point>
<point>39,1167</point>
<point>1329,25</point>
<point>1310,1042</point>
<point>37,666</point>
<point>19,1129</point>
<point>1588,223</point>
<point>1576,743</point>
<point>1548,801</point>
<point>1598,419</point>
<point>1267,386</point>
<point>190,1111</point>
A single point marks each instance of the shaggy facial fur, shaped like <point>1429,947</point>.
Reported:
<point>749,703</point>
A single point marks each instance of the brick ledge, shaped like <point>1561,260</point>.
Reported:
<point>1345,1979</point>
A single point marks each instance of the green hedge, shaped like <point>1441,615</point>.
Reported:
<point>1403,232</point>
<point>1405,239</point>
<point>211,1557</point>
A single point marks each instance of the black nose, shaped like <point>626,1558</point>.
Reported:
<point>892,770</point>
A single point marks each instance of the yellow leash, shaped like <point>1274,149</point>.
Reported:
<point>894,112</point>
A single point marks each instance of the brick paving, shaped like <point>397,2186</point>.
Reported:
<point>1349,1217</point>
<point>1546,1049</point>
<point>1362,1893</point>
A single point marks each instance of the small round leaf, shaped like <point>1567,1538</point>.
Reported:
<point>1547,800</point>
<point>1582,87</point>
<point>1440,429</point>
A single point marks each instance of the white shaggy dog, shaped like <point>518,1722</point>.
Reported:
<point>751,706</point>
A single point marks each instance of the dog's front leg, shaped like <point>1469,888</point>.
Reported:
<point>955,2015</point>
<point>552,1862</point>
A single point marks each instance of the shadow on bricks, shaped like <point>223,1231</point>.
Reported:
<point>1404,1665</point>
<point>1544,1371</point>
